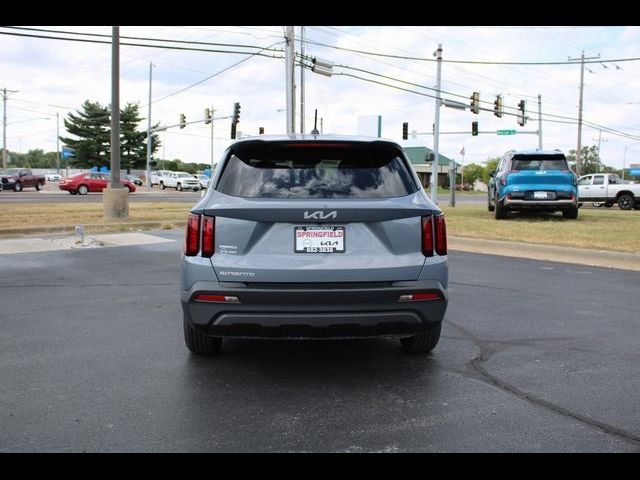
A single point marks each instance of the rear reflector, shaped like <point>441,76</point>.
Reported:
<point>427,236</point>
<point>205,297</point>
<point>416,297</point>
<point>208,236</point>
<point>192,235</point>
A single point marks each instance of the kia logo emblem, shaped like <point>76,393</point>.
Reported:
<point>319,215</point>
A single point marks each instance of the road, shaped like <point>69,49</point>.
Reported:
<point>535,356</point>
<point>51,194</point>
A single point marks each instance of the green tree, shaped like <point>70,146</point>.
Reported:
<point>473,172</point>
<point>91,141</point>
<point>90,128</point>
<point>492,164</point>
<point>133,143</point>
<point>589,159</point>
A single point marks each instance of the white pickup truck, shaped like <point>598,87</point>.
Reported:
<point>607,189</point>
<point>180,181</point>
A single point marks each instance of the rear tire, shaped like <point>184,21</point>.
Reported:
<point>162,187</point>
<point>571,213</point>
<point>501,212</point>
<point>423,343</point>
<point>179,187</point>
<point>39,186</point>
<point>626,202</point>
<point>17,187</point>
<point>83,190</point>
<point>199,343</point>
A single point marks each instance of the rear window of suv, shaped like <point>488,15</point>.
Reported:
<point>539,162</point>
<point>316,170</point>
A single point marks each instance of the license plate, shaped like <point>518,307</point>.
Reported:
<point>319,239</point>
<point>539,194</point>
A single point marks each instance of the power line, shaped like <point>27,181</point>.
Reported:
<point>149,39</point>
<point>193,49</point>
<point>468,62</point>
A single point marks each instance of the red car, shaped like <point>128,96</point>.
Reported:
<point>84,183</point>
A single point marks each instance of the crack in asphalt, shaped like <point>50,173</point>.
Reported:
<point>486,352</point>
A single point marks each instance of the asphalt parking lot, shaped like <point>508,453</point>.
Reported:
<point>535,356</point>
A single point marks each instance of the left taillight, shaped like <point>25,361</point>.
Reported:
<point>208,235</point>
<point>199,227</point>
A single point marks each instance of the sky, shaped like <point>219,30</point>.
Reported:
<point>56,76</point>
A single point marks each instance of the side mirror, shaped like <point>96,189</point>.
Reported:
<point>492,173</point>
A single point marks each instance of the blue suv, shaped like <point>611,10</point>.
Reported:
<point>533,180</point>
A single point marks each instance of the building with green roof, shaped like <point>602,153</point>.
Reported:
<point>421,159</point>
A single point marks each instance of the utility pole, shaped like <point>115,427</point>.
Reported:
<point>539,122</point>
<point>599,142</point>
<point>58,142</point>
<point>578,150</point>
<point>436,131</point>
<point>115,197</point>
<point>148,174</point>
<point>302,130</point>
<point>5,93</point>
<point>290,80</point>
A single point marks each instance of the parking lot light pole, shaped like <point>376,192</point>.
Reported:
<point>436,130</point>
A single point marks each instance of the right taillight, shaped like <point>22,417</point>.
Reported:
<point>434,235</point>
<point>192,235</point>
<point>441,235</point>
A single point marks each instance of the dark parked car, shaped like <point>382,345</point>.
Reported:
<point>314,237</point>
<point>133,179</point>
<point>84,183</point>
<point>18,178</point>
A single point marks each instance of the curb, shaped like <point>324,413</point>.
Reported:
<point>91,228</point>
<point>551,253</point>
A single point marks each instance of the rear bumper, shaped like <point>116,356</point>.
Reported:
<point>541,204</point>
<point>321,311</point>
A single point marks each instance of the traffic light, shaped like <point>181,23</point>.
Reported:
<point>474,129</point>
<point>522,119</point>
<point>261,131</point>
<point>183,120</point>
<point>233,131</point>
<point>236,113</point>
<point>497,106</point>
<point>475,102</point>
<point>405,130</point>
<point>207,115</point>
<point>323,67</point>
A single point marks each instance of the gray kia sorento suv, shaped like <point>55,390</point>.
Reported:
<point>314,236</point>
